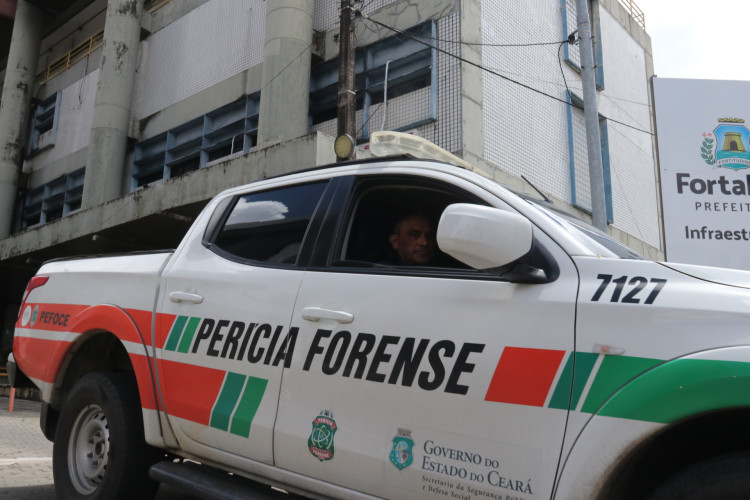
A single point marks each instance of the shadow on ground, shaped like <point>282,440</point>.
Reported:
<point>38,492</point>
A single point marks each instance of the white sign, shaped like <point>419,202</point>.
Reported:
<point>704,156</point>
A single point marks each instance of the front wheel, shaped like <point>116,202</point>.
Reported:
<point>726,477</point>
<point>99,451</point>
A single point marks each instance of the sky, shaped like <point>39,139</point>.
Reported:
<point>692,39</point>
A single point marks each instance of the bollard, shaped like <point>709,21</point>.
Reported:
<point>12,399</point>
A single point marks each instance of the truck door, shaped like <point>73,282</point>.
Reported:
<point>224,323</point>
<point>425,381</point>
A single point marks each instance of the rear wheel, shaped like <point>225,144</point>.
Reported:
<point>99,451</point>
<point>726,477</point>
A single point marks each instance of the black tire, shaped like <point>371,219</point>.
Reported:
<point>726,477</point>
<point>99,451</point>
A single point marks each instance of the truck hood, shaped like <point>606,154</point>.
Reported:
<point>732,277</point>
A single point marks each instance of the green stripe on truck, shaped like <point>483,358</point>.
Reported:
<point>248,406</point>
<point>187,336</point>
<point>613,373</point>
<point>564,394</point>
<point>227,400</point>
<point>681,388</point>
<point>174,335</point>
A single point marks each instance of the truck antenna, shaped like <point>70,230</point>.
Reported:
<point>537,190</point>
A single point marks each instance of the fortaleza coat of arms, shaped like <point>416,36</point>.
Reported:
<point>728,146</point>
<point>320,442</point>
<point>401,453</point>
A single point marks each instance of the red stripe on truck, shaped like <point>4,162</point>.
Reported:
<point>144,379</point>
<point>524,376</point>
<point>51,317</point>
<point>190,390</point>
<point>164,324</point>
<point>40,358</point>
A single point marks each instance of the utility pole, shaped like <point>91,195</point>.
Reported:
<point>591,115</point>
<point>347,98</point>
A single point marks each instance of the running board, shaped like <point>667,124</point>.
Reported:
<point>210,483</point>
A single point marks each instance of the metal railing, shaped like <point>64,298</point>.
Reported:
<point>85,49</point>
<point>635,12</point>
<point>79,52</point>
<point>95,41</point>
<point>154,5</point>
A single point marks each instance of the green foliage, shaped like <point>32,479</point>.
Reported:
<point>707,150</point>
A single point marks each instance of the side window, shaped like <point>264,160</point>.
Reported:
<point>572,51</point>
<point>54,199</point>
<point>393,224</point>
<point>44,121</point>
<point>269,226</point>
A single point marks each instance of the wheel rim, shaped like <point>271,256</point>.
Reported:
<point>88,449</point>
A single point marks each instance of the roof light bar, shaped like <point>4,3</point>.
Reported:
<point>387,143</point>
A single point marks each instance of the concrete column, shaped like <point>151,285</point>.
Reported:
<point>105,157</point>
<point>16,99</point>
<point>472,83</point>
<point>285,92</point>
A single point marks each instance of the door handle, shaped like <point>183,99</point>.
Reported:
<point>318,313</point>
<point>193,298</point>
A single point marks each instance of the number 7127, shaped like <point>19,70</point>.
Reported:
<point>636,285</point>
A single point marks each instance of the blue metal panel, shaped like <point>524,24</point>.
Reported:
<point>597,44</point>
<point>596,26</point>
<point>197,138</point>
<point>605,158</point>
<point>605,169</point>
<point>564,12</point>
<point>369,63</point>
<point>411,62</point>
<point>433,73</point>
<point>571,147</point>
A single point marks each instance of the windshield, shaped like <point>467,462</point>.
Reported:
<point>597,241</point>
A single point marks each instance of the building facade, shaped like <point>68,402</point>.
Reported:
<point>120,120</point>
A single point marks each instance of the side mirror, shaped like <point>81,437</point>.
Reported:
<point>483,237</point>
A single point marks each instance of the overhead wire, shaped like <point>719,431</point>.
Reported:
<point>624,194</point>
<point>571,39</point>
<point>623,110</point>
<point>274,77</point>
<point>612,171</point>
<point>477,44</point>
<point>559,60</point>
<point>555,83</point>
<point>488,70</point>
<point>495,45</point>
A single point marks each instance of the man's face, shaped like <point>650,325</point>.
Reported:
<point>415,241</point>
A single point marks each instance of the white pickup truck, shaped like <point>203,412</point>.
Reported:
<point>291,340</point>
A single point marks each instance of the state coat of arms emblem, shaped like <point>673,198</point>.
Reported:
<point>728,146</point>
<point>401,453</point>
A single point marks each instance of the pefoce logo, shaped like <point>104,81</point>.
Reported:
<point>26,316</point>
<point>728,146</point>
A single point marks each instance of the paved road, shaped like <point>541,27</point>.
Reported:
<point>26,457</point>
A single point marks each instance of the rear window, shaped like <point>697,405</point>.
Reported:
<point>270,226</point>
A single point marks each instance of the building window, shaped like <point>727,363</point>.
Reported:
<point>578,158</point>
<point>229,130</point>
<point>572,52</point>
<point>411,87</point>
<point>53,200</point>
<point>44,123</point>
